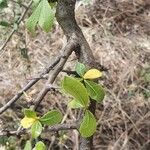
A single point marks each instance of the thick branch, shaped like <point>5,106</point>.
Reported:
<point>66,52</point>
<point>66,18</point>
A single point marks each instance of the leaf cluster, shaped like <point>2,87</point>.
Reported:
<point>83,90</point>
<point>35,124</point>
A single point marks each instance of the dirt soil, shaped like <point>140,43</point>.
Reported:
<point>118,32</point>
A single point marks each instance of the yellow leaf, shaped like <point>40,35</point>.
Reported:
<point>92,74</point>
<point>27,122</point>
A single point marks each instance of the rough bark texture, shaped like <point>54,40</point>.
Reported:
<point>66,18</point>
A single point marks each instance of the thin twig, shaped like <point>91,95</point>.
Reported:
<point>64,126</point>
<point>28,86</point>
<point>14,30</point>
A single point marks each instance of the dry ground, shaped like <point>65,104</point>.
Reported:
<point>119,34</point>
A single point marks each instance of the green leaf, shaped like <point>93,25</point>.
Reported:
<point>40,146</point>
<point>80,69</point>
<point>28,146</point>
<point>43,15</point>
<point>36,129</point>
<point>147,77</point>
<point>30,113</point>
<point>47,15</point>
<point>95,90</point>
<point>51,118</point>
<point>3,4</point>
<point>76,89</point>
<point>88,125</point>
<point>74,104</point>
<point>4,23</point>
<point>34,18</point>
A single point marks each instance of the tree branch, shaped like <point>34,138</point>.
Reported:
<point>66,52</point>
<point>64,126</point>
<point>65,16</point>
<point>28,86</point>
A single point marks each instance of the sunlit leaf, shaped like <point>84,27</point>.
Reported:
<point>51,118</point>
<point>92,74</point>
<point>43,15</point>
<point>27,122</point>
<point>88,125</point>
<point>76,89</point>
<point>36,129</point>
<point>95,90</point>
<point>47,15</point>
<point>34,18</point>
<point>40,146</point>
<point>28,146</point>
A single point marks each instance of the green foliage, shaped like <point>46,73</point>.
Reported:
<point>3,4</point>
<point>36,129</point>
<point>80,89</point>
<point>29,113</point>
<point>31,120</point>
<point>43,15</point>
<point>88,125</point>
<point>80,69</point>
<point>76,89</point>
<point>3,140</point>
<point>28,145</point>
<point>95,90</point>
<point>51,118</point>
<point>4,23</point>
<point>40,146</point>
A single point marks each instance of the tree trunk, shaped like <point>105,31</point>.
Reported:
<point>65,16</point>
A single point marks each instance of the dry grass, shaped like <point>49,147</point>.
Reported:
<point>118,33</point>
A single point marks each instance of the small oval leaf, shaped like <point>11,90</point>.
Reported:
<point>40,146</point>
<point>47,15</point>
<point>92,74</point>
<point>34,18</point>
<point>51,118</point>
<point>28,146</point>
<point>76,89</point>
<point>36,129</point>
<point>80,69</point>
<point>88,125</point>
<point>95,90</point>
